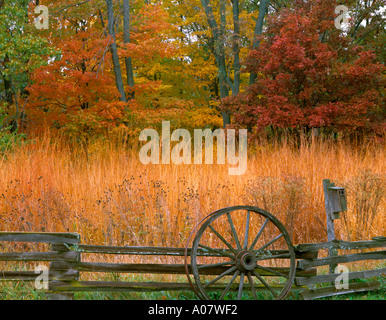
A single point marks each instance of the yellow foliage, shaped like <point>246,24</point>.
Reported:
<point>203,117</point>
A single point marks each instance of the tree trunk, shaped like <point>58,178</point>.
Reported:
<point>8,91</point>
<point>258,31</point>
<point>219,51</point>
<point>224,89</point>
<point>114,52</point>
<point>126,39</point>
<point>236,47</point>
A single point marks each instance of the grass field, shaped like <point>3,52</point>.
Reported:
<point>27,291</point>
<point>103,192</point>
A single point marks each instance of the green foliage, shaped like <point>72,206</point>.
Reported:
<point>8,138</point>
<point>20,291</point>
<point>21,49</point>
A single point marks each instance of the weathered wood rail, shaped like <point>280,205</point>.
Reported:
<point>47,256</point>
<point>376,242</point>
<point>65,265</point>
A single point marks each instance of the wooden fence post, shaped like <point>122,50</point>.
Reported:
<point>62,270</point>
<point>335,202</point>
<point>330,221</point>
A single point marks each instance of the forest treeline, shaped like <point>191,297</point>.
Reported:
<point>118,66</point>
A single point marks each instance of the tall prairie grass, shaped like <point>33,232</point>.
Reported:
<point>103,192</point>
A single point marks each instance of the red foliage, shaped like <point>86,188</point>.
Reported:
<point>309,75</point>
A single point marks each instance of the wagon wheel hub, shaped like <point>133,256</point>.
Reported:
<point>246,261</point>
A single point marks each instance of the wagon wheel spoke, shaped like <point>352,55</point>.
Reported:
<point>241,285</point>
<point>230,270</point>
<point>245,244</point>
<point>222,239</point>
<point>234,231</point>
<point>227,288</point>
<point>278,273</point>
<point>274,294</point>
<point>252,285</point>
<point>270,242</point>
<point>259,234</point>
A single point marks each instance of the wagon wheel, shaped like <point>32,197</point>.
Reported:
<point>241,243</point>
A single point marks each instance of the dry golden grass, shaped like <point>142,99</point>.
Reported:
<point>104,193</point>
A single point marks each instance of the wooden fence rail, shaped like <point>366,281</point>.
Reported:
<point>65,265</point>
<point>49,256</point>
<point>46,237</point>
<point>376,242</point>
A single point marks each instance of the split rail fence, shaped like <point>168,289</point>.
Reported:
<point>66,264</point>
<point>305,264</point>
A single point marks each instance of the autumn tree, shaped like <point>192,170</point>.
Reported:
<point>367,26</point>
<point>263,8</point>
<point>130,64</point>
<point>311,75</point>
<point>114,51</point>
<point>85,89</point>
<point>193,73</point>
<point>126,38</point>
<point>215,36</point>
<point>218,35</point>
<point>21,52</point>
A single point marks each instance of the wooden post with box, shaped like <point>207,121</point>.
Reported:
<point>335,202</point>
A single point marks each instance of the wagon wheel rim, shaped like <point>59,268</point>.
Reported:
<point>187,253</point>
<point>244,253</point>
